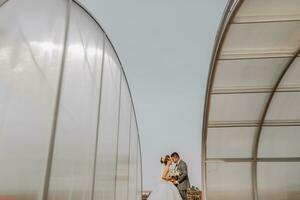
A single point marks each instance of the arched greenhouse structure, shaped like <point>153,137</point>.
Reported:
<point>251,129</point>
<point>68,128</point>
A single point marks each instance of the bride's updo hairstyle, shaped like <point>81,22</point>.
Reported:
<point>165,160</point>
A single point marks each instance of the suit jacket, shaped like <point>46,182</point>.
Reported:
<point>183,179</point>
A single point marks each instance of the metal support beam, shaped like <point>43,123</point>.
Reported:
<point>262,159</point>
<point>2,2</point>
<point>57,105</point>
<point>262,121</point>
<point>231,9</point>
<point>98,119</point>
<point>133,112</point>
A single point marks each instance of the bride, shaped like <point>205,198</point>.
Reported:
<point>166,190</point>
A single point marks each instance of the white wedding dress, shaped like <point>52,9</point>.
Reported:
<point>165,190</point>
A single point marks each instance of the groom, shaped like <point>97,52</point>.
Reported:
<point>182,182</point>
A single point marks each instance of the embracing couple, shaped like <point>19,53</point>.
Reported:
<point>174,180</point>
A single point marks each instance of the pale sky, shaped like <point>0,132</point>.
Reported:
<point>165,47</point>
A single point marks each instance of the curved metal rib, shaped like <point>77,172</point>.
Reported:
<point>57,105</point>
<point>262,121</point>
<point>230,11</point>
<point>218,46</point>
<point>3,2</point>
<point>124,76</point>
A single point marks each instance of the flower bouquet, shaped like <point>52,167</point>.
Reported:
<point>174,173</point>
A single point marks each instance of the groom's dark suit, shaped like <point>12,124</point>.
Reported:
<point>183,179</point>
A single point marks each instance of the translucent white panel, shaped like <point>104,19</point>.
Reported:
<point>237,107</point>
<point>123,144</point>
<point>268,10</point>
<point>291,79</point>
<point>132,193</point>
<point>75,142</point>
<point>285,107</point>
<point>30,60</point>
<point>279,181</point>
<point>139,175</point>
<point>109,114</point>
<point>247,74</point>
<point>230,142</point>
<point>32,38</point>
<point>280,141</point>
<point>262,38</point>
<point>229,181</point>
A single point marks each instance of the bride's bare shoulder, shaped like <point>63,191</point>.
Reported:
<point>165,172</point>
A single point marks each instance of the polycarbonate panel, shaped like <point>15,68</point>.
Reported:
<point>291,80</point>
<point>32,39</point>
<point>108,133</point>
<point>262,38</point>
<point>229,181</point>
<point>268,10</point>
<point>237,107</point>
<point>284,107</point>
<point>279,141</point>
<point>139,175</point>
<point>123,144</point>
<point>248,74</point>
<point>132,192</point>
<point>75,142</point>
<point>30,60</point>
<point>279,181</point>
<point>230,142</point>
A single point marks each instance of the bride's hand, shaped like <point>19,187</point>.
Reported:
<point>173,181</point>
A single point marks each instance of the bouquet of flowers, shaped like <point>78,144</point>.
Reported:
<point>174,173</point>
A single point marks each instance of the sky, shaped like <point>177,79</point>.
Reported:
<point>165,47</point>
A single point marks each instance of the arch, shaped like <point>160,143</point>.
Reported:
<point>251,56</point>
<point>80,92</point>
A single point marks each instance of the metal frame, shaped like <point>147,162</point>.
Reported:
<point>49,157</point>
<point>266,21</point>
<point>229,13</point>
<point>124,76</point>
<point>118,134</point>
<point>141,163</point>
<point>221,36</point>
<point>262,121</point>
<point>253,90</point>
<point>122,71</point>
<point>57,105</point>
<point>256,56</point>
<point>262,159</point>
<point>98,119</point>
<point>2,3</point>
<point>269,123</point>
<point>128,160</point>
